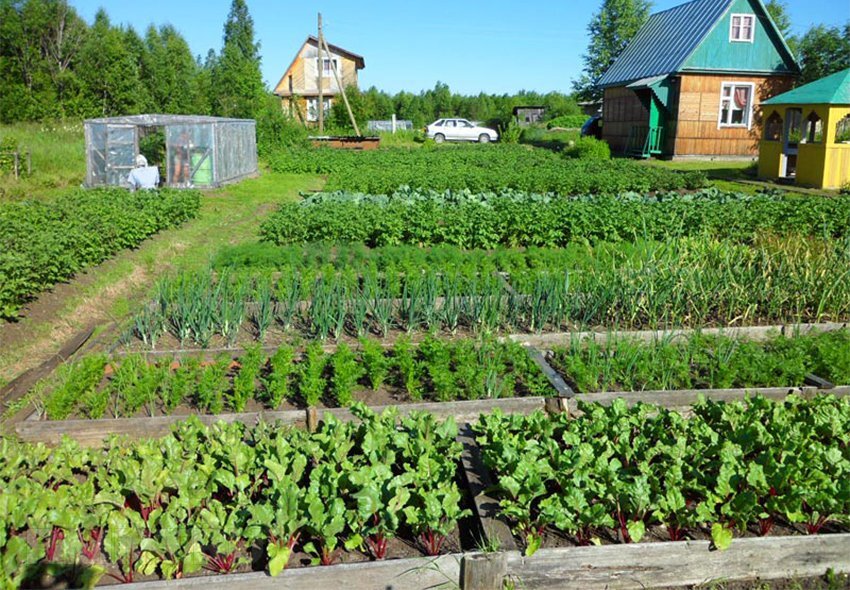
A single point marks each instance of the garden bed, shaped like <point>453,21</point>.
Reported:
<point>232,498</point>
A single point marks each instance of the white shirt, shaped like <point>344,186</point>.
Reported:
<point>144,177</point>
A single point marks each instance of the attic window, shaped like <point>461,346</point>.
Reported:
<point>742,28</point>
<point>736,105</point>
<point>327,69</point>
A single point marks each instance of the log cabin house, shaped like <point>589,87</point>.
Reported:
<point>298,88</point>
<point>691,82</point>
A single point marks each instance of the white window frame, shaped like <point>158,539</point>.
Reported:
<point>315,100</point>
<point>748,113</point>
<point>332,62</point>
<point>742,16</point>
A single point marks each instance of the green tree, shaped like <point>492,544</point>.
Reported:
<point>238,89</point>
<point>778,11</point>
<point>610,30</point>
<point>109,71</point>
<point>170,71</point>
<point>823,51</point>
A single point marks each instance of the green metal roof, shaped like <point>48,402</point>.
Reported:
<point>669,38</point>
<point>834,89</point>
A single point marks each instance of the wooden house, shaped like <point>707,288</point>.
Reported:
<point>691,82</point>
<point>807,134</point>
<point>298,88</point>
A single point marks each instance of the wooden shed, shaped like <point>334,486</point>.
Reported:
<point>528,115</point>
<point>807,134</point>
<point>692,80</point>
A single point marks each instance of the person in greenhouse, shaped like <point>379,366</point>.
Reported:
<point>143,176</point>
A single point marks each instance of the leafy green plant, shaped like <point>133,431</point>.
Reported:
<point>346,373</point>
<point>312,369</point>
<point>212,385</point>
<point>245,381</point>
<point>376,363</point>
<point>407,367</point>
<point>277,383</point>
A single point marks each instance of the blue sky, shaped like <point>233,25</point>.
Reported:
<point>492,46</point>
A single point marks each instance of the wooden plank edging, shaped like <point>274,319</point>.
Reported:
<point>416,573</point>
<point>681,563</point>
<point>753,333</point>
<point>93,432</point>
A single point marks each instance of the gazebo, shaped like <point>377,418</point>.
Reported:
<point>191,150</point>
<point>807,134</point>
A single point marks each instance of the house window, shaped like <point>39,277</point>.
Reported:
<point>736,105</point>
<point>842,130</point>
<point>327,70</point>
<point>742,28</point>
<point>773,127</point>
<point>313,108</point>
<point>813,131</point>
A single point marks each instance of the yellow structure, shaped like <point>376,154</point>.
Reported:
<point>807,134</point>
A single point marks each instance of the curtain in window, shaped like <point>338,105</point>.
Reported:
<point>742,94</point>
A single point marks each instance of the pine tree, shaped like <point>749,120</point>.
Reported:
<point>237,84</point>
<point>610,30</point>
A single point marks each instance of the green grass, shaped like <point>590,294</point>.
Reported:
<point>228,216</point>
<point>58,159</point>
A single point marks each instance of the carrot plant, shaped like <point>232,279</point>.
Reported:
<point>312,382</point>
<point>376,363</point>
<point>277,383</point>
<point>245,381</point>
<point>346,373</point>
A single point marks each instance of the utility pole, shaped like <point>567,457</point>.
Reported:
<point>321,69</point>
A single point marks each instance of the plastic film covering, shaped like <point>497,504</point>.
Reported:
<point>201,151</point>
<point>236,150</point>
<point>190,155</point>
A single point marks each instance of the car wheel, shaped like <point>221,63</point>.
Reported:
<point>439,138</point>
<point>483,138</point>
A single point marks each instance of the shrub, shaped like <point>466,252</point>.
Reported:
<point>589,148</point>
<point>567,121</point>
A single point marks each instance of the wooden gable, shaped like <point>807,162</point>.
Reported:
<point>767,53</point>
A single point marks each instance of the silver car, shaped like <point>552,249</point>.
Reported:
<point>459,130</point>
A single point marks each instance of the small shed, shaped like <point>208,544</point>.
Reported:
<point>192,150</point>
<point>807,134</point>
<point>527,115</point>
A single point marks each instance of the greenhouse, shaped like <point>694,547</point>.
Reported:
<point>188,150</point>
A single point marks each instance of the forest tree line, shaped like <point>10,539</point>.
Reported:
<point>54,65</point>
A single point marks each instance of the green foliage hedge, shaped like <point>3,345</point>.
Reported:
<point>479,169</point>
<point>512,218</point>
<point>43,243</point>
<point>567,121</point>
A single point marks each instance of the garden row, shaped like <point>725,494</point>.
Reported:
<point>620,474</point>
<point>229,498</point>
<point>476,169</point>
<point>232,498</point>
<point>338,290</point>
<point>42,243</point>
<point>517,219</point>
<point>434,370</point>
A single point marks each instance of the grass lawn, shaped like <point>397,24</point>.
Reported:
<point>109,291</point>
<point>58,159</point>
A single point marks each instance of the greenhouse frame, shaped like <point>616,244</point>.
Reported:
<point>190,150</point>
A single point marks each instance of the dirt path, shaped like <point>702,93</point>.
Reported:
<point>105,294</point>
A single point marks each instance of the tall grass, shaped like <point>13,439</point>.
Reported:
<point>58,159</point>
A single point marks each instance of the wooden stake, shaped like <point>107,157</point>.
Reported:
<point>483,571</point>
<point>312,419</point>
<point>321,71</point>
<point>342,89</point>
